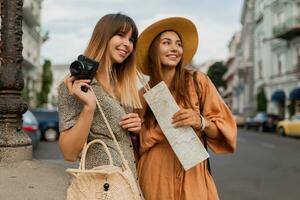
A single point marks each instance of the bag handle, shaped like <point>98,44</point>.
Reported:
<point>144,83</point>
<point>147,88</point>
<point>111,132</point>
<point>87,146</point>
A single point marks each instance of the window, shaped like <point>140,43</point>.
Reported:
<point>260,6</point>
<point>298,8</point>
<point>259,41</point>
<point>279,18</point>
<point>280,63</point>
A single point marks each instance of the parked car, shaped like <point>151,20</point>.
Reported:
<point>263,122</point>
<point>30,127</point>
<point>289,127</point>
<point>48,123</point>
<point>239,119</point>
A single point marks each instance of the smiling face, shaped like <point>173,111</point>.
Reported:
<point>120,46</point>
<point>170,49</point>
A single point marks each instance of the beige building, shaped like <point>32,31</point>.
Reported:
<point>32,41</point>
<point>277,52</point>
<point>267,56</point>
<point>239,77</point>
<point>231,76</point>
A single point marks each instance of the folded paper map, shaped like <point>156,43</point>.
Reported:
<point>183,140</point>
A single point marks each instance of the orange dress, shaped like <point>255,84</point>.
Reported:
<point>160,173</point>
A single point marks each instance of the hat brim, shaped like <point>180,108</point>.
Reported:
<point>183,27</point>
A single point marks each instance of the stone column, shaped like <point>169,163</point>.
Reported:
<point>15,145</point>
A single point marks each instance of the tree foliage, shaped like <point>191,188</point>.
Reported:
<point>216,72</point>
<point>262,101</point>
<point>47,79</point>
<point>291,108</point>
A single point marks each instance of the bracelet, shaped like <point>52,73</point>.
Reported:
<point>203,125</point>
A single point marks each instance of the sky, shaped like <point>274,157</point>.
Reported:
<point>70,23</point>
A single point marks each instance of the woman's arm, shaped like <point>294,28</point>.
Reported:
<point>72,140</point>
<point>189,117</point>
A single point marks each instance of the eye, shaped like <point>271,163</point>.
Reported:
<point>121,34</point>
<point>179,44</point>
<point>165,42</point>
<point>132,40</point>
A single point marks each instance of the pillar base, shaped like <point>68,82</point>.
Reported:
<point>15,145</point>
<point>15,154</point>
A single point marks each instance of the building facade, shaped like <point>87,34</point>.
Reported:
<point>277,52</point>
<point>239,77</point>
<point>32,41</point>
<point>230,96</point>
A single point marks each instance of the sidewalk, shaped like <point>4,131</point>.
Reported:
<point>34,180</point>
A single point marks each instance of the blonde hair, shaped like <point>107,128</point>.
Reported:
<point>124,74</point>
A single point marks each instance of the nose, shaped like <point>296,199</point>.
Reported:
<point>174,48</point>
<point>126,42</point>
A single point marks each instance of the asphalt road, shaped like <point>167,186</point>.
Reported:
<point>265,166</point>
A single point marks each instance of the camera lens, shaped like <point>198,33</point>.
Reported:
<point>76,68</point>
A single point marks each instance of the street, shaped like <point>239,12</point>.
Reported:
<point>265,166</point>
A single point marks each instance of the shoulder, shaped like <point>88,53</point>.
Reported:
<point>201,78</point>
<point>62,89</point>
<point>63,95</point>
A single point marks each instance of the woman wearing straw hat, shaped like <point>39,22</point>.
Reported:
<point>163,51</point>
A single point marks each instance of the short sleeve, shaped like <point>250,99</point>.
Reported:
<point>216,111</point>
<point>69,108</point>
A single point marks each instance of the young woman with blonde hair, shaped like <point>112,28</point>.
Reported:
<point>164,50</point>
<point>113,45</point>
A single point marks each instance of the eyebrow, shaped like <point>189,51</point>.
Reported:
<point>170,39</point>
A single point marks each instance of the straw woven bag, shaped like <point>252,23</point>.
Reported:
<point>105,182</point>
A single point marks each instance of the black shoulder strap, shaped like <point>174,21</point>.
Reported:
<point>198,92</point>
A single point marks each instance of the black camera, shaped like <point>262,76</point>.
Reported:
<point>84,68</point>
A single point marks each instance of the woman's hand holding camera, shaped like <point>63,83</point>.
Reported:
<point>186,117</point>
<point>132,122</point>
<point>74,87</point>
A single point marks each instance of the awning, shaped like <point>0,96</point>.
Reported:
<point>295,94</point>
<point>278,96</point>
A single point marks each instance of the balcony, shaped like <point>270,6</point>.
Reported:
<point>288,29</point>
<point>29,17</point>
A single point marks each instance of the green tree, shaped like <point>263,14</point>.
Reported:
<point>291,108</point>
<point>47,79</point>
<point>262,101</point>
<point>216,72</point>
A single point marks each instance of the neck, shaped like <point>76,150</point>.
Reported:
<point>103,77</point>
<point>168,75</point>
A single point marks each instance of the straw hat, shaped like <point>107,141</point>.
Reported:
<point>182,26</point>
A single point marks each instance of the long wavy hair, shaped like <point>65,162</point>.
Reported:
<point>122,74</point>
<point>178,85</point>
